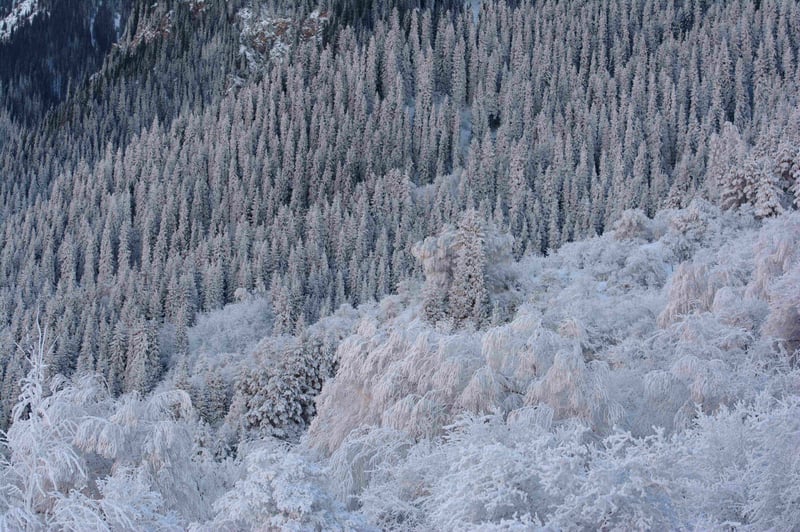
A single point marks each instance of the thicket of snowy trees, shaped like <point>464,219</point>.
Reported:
<point>404,206</point>
<point>169,183</point>
<point>567,415</point>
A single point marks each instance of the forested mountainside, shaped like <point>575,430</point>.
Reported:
<point>289,255</point>
<point>49,47</point>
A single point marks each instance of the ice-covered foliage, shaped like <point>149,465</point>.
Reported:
<point>276,394</point>
<point>631,379</point>
<point>78,459</point>
<point>220,347</point>
<point>221,337</point>
<point>281,490</point>
<point>765,175</point>
<point>279,398</point>
<point>467,277</point>
<point>525,472</point>
<point>647,379</point>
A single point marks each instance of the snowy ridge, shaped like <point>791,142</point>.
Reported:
<point>22,13</point>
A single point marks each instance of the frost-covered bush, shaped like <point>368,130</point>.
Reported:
<point>280,490</point>
<point>278,399</point>
<point>276,396</point>
<point>645,267</point>
<point>777,250</point>
<point>633,224</point>
<point>402,378</point>
<point>484,471</point>
<point>783,322</point>
<point>233,329</point>
<point>80,460</point>
<point>576,389</point>
<point>369,455</point>
<point>736,467</point>
<point>689,292</point>
<point>739,466</point>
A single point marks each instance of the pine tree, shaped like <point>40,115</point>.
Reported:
<point>88,351</point>
<point>468,297</point>
<point>281,306</point>
<point>767,199</point>
<point>434,302</point>
<point>215,400</point>
<point>143,367</point>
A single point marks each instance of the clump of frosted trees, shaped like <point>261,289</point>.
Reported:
<point>461,266</point>
<point>177,179</point>
<point>766,175</point>
<point>76,458</point>
<point>614,397</point>
<point>636,369</point>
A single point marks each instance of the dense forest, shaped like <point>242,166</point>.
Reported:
<point>400,265</point>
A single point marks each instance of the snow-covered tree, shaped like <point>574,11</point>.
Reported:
<point>468,297</point>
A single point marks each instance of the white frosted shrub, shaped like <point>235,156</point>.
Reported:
<point>646,267</point>
<point>777,249</point>
<point>740,466</point>
<point>418,416</point>
<point>484,392</point>
<point>575,389</point>
<point>633,224</point>
<point>625,486</point>
<point>281,490</point>
<point>505,352</point>
<point>689,292</point>
<point>360,455</point>
<point>783,322</point>
<point>486,473</point>
<point>732,308</point>
<point>455,368</point>
<point>381,373</point>
<point>667,401</point>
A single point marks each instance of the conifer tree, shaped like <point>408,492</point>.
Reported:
<point>468,297</point>
<point>143,367</point>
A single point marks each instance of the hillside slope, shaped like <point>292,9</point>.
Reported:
<point>638,370</point>
<point>183,174</point>
<point>400,264</point>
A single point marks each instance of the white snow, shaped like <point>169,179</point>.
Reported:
<point>226,338</point>
<point>23,12</point>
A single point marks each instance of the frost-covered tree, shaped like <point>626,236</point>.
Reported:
<point>143,358</point>
<point>468,297</point>
<point>284,490</point>
<point>48,481</point>
<point>278,398</point>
